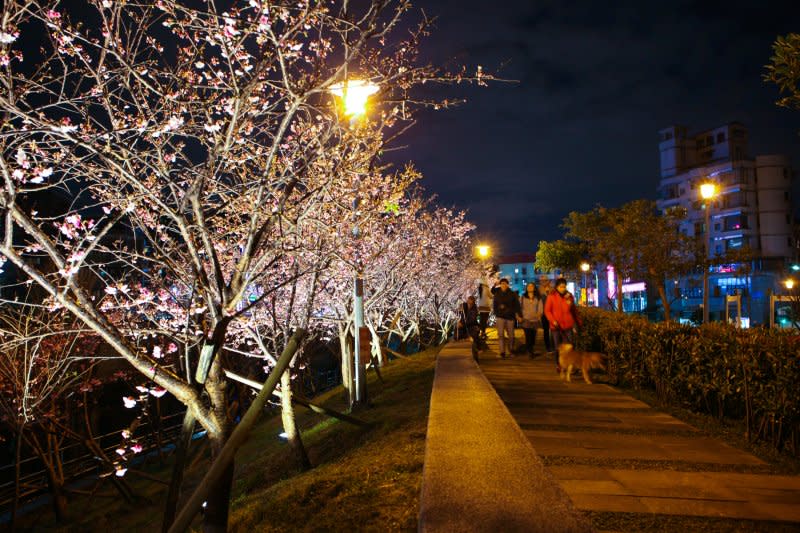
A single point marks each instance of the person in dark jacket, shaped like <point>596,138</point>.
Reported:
<point>506,309</point>
<point>469,320</point>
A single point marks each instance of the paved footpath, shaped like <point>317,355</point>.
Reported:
<point>614,454</point>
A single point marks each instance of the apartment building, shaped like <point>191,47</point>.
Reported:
<point>752,208</point>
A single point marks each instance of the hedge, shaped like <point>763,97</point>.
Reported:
<point>718,369</point>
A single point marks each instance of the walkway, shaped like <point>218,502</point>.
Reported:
<point>481,473</point>
<point>619,459</point>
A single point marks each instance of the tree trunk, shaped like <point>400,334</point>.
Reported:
<point>619,292</point>
<point>219,495</point>
<point>56,492</point>
<point>181,453</point>
<point>346,349</point>
<point>218,498</point>
<point>378,354</point>
<point>217,480</point>
<point>662,293</point>
<point>290,423</point>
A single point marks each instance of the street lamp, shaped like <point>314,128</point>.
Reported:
<point>789,283</point>
<point>354,95</point>
<point>707,191</point>
<point>585,268</point>
<point>483,251</point>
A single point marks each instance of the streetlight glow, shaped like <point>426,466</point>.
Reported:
<point>585,267</point>
<point>789,284</point>
<point>483,251</point>
<point>708,190</point>
<point>354,93</point>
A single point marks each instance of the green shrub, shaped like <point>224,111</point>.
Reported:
<point>751,374</point>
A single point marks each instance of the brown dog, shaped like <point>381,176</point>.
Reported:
<point>569,359</point>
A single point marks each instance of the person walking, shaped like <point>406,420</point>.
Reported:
<point>544,292</point>
<point>506,309</point>
<point>484,308</point>
<point>469,318</point>
<point>531,311</point>
<point>562,315</point>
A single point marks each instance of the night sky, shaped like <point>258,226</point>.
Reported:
<point>596,82</point>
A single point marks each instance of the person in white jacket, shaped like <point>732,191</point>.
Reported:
<point>531,309</point>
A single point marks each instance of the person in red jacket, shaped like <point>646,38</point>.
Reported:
<point>562,314</point>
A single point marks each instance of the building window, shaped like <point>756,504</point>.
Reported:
<point>717,227</point>
<point>524,272</point>
<point>709,140</point>
<point>718,249</point>
<point>786,196</point>
<point>733,244</point>
<point>789,241</point>
<point>788,219</point>
<point>785,173</point>
<point>721,137</point>
<point>737,153</point>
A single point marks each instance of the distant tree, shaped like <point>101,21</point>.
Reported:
<point>559,255</point>
<point>638,241</point>
<point>784,69</point>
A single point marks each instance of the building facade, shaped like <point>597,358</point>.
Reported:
<point>750,211</point>
<point>518,269</point>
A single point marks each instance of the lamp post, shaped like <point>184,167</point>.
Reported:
<point>585,268</point>
<point>483,251</point>
<point>789,284</point>
<point>354,95</point>
<point>707,192</point>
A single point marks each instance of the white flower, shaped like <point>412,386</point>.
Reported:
<point>129,402</point>
<point>120,471</point>
<point>158,392</point>
<point>174,123</point>
<point>212,128</point>
<point>22,158</point>
<point>7,38</point>
<point>157,353</point>
<point>111,291</point>
<point>199,64</point>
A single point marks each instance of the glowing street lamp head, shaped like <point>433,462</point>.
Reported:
<point>585,267</point>
<point>789,284</point>
<point>354,93</point>
<point>708,190</point>
<point>483,251</point>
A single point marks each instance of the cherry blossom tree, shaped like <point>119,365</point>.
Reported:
<point>167,151</point>
<point>46,372</point>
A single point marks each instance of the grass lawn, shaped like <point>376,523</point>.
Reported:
<point>364,478</point>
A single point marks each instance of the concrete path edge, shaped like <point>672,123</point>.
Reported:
<point>480,471</point>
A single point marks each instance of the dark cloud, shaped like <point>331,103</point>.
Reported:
<point>595,82</point>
